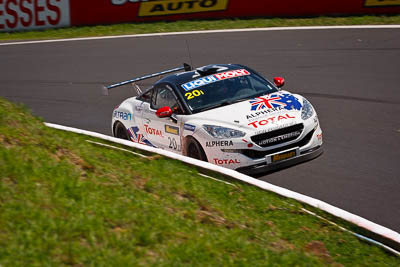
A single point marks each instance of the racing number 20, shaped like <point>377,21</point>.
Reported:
<point>193,94</point>
<point>172,143</point>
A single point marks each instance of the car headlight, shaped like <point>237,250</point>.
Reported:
<point>222,132</point>
<point>307,110</point>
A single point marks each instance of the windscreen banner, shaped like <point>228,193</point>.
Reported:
<point>38,14</point>
<point>34,14</point>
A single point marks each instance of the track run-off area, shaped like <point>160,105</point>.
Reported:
<point>350,75</point>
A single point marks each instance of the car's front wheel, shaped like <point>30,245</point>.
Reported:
<point>194,149</point>
<point>120,131</point>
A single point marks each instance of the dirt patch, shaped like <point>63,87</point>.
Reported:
<point>155,157</point>
<point>5,141</point>
<point>317,248</point>
<point>281,245</point>
<point>139,182</point>
<point>205,216</point>
<point>65,154</point>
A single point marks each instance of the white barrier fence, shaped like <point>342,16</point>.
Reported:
<point>390,237</point>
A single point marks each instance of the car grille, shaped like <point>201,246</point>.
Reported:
<point>260,154</point>
<point>278,136</point>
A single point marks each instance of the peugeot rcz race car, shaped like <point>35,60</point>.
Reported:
<point>225,114</point>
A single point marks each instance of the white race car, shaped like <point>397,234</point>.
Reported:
<point>226,114</point>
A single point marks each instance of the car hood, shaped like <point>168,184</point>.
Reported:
<point>273,110</point>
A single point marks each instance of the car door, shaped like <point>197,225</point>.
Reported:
<point>163,132</point>
<point>136,131</point>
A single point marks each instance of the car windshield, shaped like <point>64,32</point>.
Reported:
<point>224,88</point>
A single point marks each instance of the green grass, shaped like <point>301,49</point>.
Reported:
<point>156,27</point>
<point>64,201</point>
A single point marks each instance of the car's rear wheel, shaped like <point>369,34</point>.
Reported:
<point>194,149</point>
<point>120,131</point>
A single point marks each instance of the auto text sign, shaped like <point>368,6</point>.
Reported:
<point>33,14</point>
<point>171,7</point>
<point>381,3</point>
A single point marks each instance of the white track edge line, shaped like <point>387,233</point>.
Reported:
<point>345,215</point>
<point>116,148</point>
<point>215,179</point>
<point>206,32</point>
<point>353,233</point>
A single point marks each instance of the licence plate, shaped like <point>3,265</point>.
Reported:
<point>284,155</point>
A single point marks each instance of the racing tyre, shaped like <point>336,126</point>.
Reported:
<point>194,150</point>
<point>120,131</point>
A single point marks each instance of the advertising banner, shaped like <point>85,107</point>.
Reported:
<point>90,12</point>
<point>33,14</point>
<point>39,14</point>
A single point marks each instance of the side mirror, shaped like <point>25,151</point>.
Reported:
<point>279,82</point>
<point>164,112</point>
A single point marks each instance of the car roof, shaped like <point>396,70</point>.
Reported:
<point>184,77</point>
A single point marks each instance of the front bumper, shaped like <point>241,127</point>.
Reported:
<point>268,167</point>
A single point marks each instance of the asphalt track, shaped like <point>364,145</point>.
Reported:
<point>351,76</point>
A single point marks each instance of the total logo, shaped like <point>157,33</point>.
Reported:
<point>226,161</point>
<point>153,131</point>
<point>255,124</point>
<point>214,78</point>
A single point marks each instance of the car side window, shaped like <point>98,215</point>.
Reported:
<point>163,97</point>
<point>146,97</point>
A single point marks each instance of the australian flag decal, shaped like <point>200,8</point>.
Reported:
<point>286,101</point>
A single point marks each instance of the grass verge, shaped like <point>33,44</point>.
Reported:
<point>178,26</point>
<point>64,201</point>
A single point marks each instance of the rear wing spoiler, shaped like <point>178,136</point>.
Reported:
<point>105,88</point>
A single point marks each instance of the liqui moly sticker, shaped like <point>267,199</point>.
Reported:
<point>214,78</point>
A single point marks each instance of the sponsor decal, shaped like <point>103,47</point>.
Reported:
<point>193,94</point>
<point>381,3</point>
<point>283,156</point>
<point>214,78</point>
<point>171,7</point>
<point>270,129</point>
<point>260,113</point>
<point>286,101</point>
<point>255,124</point>
<point>122,115</point>
<point>173,144</point>
<point>172,129</point>
<point>33,14</point>
<point>219,143</point>
<point>226,161</point>
<point>153,131</point>
<point>319,137</point>
<point>137,137</point>
<point>279,138</point>
<point>189,127</point>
